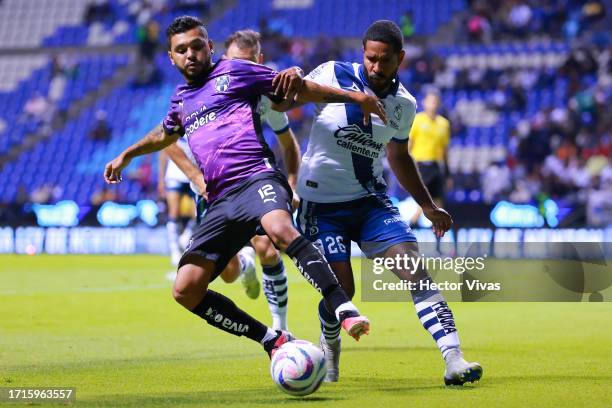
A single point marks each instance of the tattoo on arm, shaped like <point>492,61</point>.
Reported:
<point>340,97</point>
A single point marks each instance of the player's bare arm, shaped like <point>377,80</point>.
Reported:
<point>292,157</point>
<point>193,173</point>
<point>154,141</point>
<point>161,174</point>
<point>407,174</point>
<point>310,91</point>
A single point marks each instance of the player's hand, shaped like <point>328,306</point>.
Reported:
<point>112,171</point>
<point>371,105</point>
<point>295,201</point>
<point>441,220</point>
<point>288,82</point>
<point>200,185</point>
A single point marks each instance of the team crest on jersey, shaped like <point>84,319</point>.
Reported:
<point>222,83</point>
<point>397,112</point>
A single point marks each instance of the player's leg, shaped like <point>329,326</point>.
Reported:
<point>191,291</point>
<point>231,271</point>
<point>187,206</point>
<point>330,327</point>
<point>384,233</point>
<point>213,244</point>
<point>327,226</point>
<point>173,199</point>
<point>274,280</point>
<point>437,318</point>
<point>273,194</point>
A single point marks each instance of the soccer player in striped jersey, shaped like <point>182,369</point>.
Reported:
<point>344,195</point>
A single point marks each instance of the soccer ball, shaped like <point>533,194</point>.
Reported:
<point>298,368</point>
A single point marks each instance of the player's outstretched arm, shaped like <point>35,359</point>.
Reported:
<point>408,175</point>
<point>193,173</point>
<point>310,91</point>
<point>154,141</point>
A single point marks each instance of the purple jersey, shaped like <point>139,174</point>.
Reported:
<point>219,119</point>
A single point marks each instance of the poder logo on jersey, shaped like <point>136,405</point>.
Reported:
<point>198,118</point>
<point>353,138</point>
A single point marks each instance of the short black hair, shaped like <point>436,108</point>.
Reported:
<point>183,24</point>
<point>385,31</point>
<point>245,40</point>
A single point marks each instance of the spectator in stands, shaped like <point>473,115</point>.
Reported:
<point>46,194</point>
<point>37,110</point>
<point>407,25</point>
<point>148,44</point>
<point>98,11</point>
<point>101,130</point>
<point>103,195</point>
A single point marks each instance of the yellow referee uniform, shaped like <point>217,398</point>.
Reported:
<point>429,138</point>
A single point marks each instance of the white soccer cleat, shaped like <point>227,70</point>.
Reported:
<point>332,359</point>
<point>458,371</point>
<point>248,275</point>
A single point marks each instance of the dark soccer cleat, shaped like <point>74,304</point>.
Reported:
<point>274,344</point>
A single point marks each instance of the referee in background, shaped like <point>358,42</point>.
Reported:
<point>428,145</point>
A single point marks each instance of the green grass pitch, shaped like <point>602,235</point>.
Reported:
<point>109,327</point>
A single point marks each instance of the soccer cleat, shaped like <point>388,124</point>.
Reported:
<point>458,371</point>
<point>248,276</point>
<point>332,358</point>
<point>354,324</point>
<point>272,345</point>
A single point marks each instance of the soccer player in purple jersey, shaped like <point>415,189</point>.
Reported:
<point>216,111</point>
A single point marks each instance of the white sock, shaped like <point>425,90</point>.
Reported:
<point>436,317</point>
<point>344,307</point>
<point>173,240</point>
<point>270,334</point>
<point>276,291</point>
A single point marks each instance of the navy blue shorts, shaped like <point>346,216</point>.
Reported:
<point>232,220</point>
<point>373,222</point>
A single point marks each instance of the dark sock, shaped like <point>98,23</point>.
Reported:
<point>222,312</point>
<point>313,266</point>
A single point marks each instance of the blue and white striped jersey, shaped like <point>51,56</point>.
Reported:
<point>344,158</point>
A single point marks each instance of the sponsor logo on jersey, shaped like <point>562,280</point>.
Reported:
<point>397,112</point>
<point>222,83</point>
<point>199,119</point>
<point>353,138</point>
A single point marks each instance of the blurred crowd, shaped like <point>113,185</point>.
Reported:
<point>560,150</point>
<point>494,20</point>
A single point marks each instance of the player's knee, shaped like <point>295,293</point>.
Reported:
<point>282,235</point>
